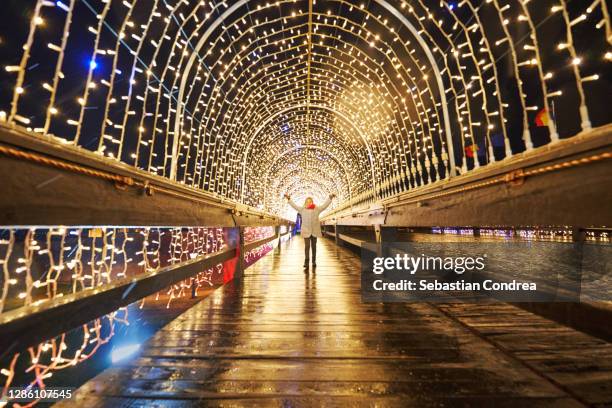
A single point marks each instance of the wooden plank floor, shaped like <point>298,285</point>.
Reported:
<point>283,337</point>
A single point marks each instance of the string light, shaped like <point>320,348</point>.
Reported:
<point>211,93</point>
<point>58,261</point>
<point>38,265</point>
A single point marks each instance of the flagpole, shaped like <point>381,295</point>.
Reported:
<point>553,111</point>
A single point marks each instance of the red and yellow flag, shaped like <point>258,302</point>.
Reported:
<point>541,118</point>
<point>471,150</point>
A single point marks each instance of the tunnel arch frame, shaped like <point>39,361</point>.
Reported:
<point>311,147</point>
<point>298,106</point>
<point>219,20</point>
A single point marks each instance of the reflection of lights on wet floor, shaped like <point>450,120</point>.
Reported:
<point>123,352</point>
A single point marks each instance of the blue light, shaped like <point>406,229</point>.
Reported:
<point>451,6</point>
<point>123,352</point>
<point>62,6</point>
<point>93,64</point>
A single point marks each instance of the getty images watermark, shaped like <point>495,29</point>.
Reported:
<point>511,272</point>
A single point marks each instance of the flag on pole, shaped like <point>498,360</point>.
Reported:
<point>541,118</point>
<point>471,150</point>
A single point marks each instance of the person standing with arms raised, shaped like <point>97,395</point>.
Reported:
<point>311,227</point>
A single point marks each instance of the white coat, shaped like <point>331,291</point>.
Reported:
<point>310,218</point>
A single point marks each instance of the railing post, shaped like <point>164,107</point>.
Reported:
<point>385,235</point>
<point>378,237</point>
<point>277,230</point>
<point>193,288</point>
<point>240,264</point>
<point>578,235</point>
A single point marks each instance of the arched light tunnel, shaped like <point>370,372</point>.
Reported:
<point>382,97</point>
<point>413,114</point>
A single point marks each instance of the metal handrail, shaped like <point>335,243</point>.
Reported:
<point>49,149</point>
<point>30,325</point>
<point>254,244</point>
<point>578,146</point>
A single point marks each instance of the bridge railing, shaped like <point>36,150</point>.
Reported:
<point>83,237</point>
<point>57,279</point>
<point>565,183</point>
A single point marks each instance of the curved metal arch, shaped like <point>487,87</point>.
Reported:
<point>240,3</point>
<point>181,94</point>
<point>291,180</point>
<point>303,105</point>
<point>311,147</point>
<point>437,74</point>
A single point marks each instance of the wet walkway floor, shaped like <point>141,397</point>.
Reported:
<point>283,337</point>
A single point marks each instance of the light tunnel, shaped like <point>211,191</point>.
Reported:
<point>376,97</point>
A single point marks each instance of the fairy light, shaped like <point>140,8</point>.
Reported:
<point>254,234</point>
<point>353,86</point>
<point>212,95</point>
<point>78,259</point>
<point>576,61</point>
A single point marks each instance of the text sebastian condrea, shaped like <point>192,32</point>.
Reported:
<point>461,285</point>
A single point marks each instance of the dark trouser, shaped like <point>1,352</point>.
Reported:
<point>310,242</point>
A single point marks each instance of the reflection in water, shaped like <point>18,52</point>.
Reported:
<point>556,234</point>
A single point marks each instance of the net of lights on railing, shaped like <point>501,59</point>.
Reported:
<point>252,99</point>
<point>42,264</point>
<point>38,265</point>
<point>252,234</point>
<point>538,233</point>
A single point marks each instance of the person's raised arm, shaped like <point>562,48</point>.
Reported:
<point>294,205</point>
<point>326,203</point>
